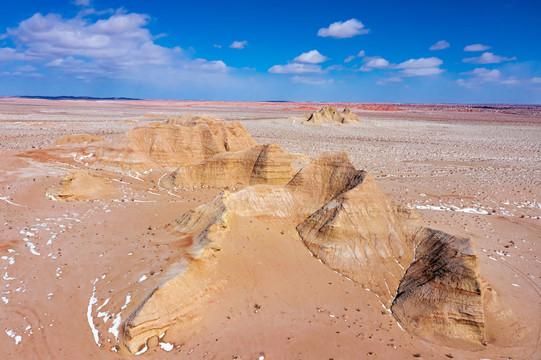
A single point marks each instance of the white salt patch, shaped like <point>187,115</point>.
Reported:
<point>91,302</point>
<point>114,329</point>
<point>7,278</point>
<point>167,346</point>
<point>32,248</point>
<point>515,285</point>
<point>142,350</point>
<point>5,300</point>
<point>142,278</point>
<point>10,259</point>
<point>128,299</point>
<point>6,199</point>
<point>12,334</point>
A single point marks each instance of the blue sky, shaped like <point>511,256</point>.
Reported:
<point>359,51</point>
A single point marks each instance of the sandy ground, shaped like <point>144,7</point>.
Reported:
<point>71,268</point>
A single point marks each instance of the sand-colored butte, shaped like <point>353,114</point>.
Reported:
<point>185,140</point>
<point>328,115</point>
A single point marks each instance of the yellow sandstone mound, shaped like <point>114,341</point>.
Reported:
<point>80,185</point>
<point>261,164</point>
<point>328,115</point>
<point>345,221</point>
<point>440,297</point>
<point>185,140</point>
<point>77,139</point>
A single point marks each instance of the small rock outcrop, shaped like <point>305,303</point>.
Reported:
<point>328,115</point>
<point>81,185</point>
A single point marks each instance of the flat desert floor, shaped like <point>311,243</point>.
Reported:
<point>69,269</point>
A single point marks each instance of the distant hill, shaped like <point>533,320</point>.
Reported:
<point>75,98</point>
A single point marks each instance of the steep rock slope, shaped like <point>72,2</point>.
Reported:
<point>440,295</point>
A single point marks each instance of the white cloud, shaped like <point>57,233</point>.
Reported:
<point>392,79</point>
<point>375,63</point>
<point>536,80</point>
<point>206,65</point>
<point>488,58</point>
<point>116,45</point>
<point>82,2</point>
<point>10,54</point>
<point>476,47</point>
<point>25,68</point>
<point>440,45</point>
<point>420,67</point>
<point>420,63</point>
<point>335,68</point>
<point>352,57</point>
<point>311,57</point>
<point>295,68</point>
<point>346,29</point>
<point>309,80</point>
<point>238,44</point>
<point>480,76</point>
<point>217,46</point>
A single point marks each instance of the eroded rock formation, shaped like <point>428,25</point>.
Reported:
<point>186,140</point>
<point>328,115</point>
<point>81,185</point>
<point>440,297</point>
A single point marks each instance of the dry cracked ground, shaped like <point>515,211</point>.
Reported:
<point>74,272</point>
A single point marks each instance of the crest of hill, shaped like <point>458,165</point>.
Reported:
<point>328,115</point>
<point>185,140</point>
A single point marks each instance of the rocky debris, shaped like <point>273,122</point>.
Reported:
<point>440,296</point>
<point>328,115</point>
<point>261,164</point>
<point>81,185</point>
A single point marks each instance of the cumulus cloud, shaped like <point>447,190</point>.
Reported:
<point>440,45</point>
<point>488,58</point>
<point>352,57</point>
<point>479,76</point>
<point>309,80</point>
<point>390,80</point>
<point>116,45</point>
<point>476,47</point>
<point>311,57</point>
<point>375,63</point>
<point>238,44</point>
<point>82,2</point>
<point>10,54</point>
<point>341,30</point>
<point>295,68</point>
<point>420,67</point>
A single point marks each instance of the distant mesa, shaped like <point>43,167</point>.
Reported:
<point>328,115</point>
<point>427,279</point>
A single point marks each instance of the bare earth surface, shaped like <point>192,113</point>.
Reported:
<point>69,267</point>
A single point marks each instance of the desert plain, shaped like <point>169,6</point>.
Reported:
<point>78,268</point>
